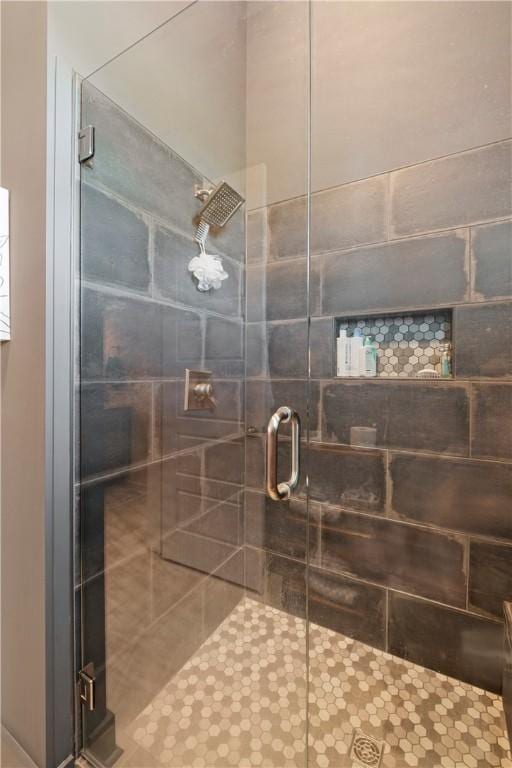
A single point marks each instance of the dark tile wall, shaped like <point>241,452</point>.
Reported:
<point>143,322</point>
<point>162,486</point>
<point>410,541</point>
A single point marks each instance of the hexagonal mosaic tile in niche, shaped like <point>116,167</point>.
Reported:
<point>406,343</point>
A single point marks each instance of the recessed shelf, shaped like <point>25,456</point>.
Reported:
<point>408,344</point>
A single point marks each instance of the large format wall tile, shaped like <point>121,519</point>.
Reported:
<point>126,338</point>
<point>173,280</point>
<point>421,272</point>
<point>180,474</point>
<point>225,461</point>
<point>264,397</point>
<point>350,215</point>
<point>202,553</point>
<point>396,555</point>
<point>490,577</point>
<point>132,512</point>
<point>459,494</point>
<point>224,347</point>
<point>454,191</point>
<point>281,349</point>
<point>452,642</point>
<point>92,526</point>
<point>257,235</point>
<point>224,339</point>
<point>120,337</point>
<point>408,415</point>
<point>279,526</point>
<point>219,520</point>
<point>255,460</point>
<point>288,229</point>
<point>347,606</point>
<point>347,477</point>
<point>492,421</point>
<point>285,586</point>
<point>277,291</point>
<point>182,340</point>
<point>114,248</point>
<point>321,348</point>
<point>277,349</point>
<point>491,247</point>
<point>483,340</point>
<point>132,163</point>
<point>172,421</point>
<point>341,217</point>
<point>115,426</point>
<point>255,571</point>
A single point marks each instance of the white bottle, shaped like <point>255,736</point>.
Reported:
<point>356,345</point>
<point>342,354</point>
<point>368,358</point>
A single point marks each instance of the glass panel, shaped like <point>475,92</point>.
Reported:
<point>193,581</point>
<point>409,474</point>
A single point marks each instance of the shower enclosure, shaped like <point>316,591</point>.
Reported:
<point>285,560</point>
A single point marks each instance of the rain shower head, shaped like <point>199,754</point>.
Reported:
<point>220,206</point>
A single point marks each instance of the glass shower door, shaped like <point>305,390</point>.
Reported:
<point>409,473</point>
<point>193,333</point>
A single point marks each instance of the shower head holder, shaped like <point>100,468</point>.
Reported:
<point>201,193</point>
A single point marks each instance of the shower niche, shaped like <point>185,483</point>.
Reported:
<point>409,345</point>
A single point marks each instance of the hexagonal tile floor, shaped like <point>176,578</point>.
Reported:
<point>240,701</point>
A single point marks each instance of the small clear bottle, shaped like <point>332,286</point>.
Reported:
<point>446,360</point>
<point>368,358</point>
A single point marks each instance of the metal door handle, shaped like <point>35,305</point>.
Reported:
<point>275,490</point>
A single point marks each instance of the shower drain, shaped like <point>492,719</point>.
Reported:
<point>366,750</point>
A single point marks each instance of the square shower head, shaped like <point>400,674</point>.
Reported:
<point>222,203</point>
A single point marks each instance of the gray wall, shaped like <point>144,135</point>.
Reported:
<point>203,120</point>
<point>22,363</point>
<point>393,84</point>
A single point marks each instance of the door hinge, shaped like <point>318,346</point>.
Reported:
<point>87,686</point>
<point>86,144</point>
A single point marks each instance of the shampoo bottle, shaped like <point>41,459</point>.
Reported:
<point>342,354</point>
<point>368,358</point>
<point>356,345</point>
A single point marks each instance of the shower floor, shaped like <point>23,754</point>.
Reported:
<point>240,701</point>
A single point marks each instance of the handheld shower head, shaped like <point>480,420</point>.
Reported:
<point>220,206</point>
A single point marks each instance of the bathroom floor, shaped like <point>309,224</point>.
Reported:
<point>240,701</point>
